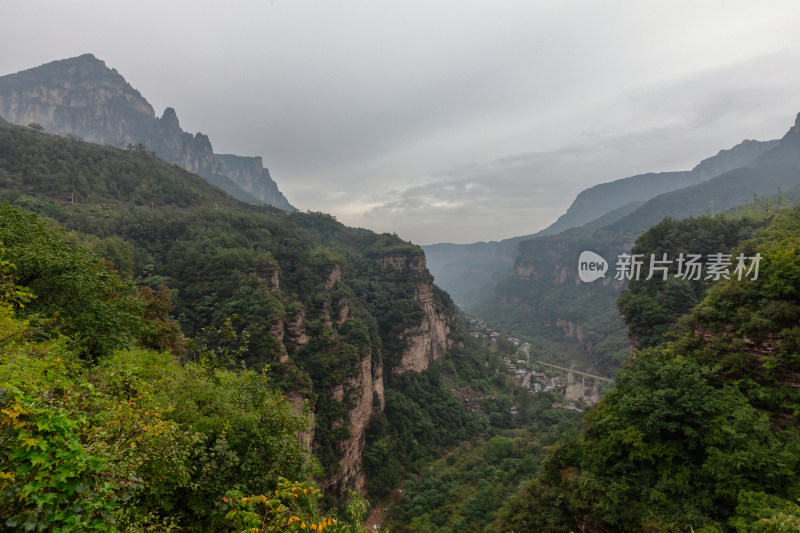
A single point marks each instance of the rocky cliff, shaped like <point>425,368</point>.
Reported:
<point>170,142</point>
<point>365,391</point>
<point>554,260</point>
<point>249,174</point>
<point>78,96</point>
<point>411,340</point>
<point>429,340</point>
<point>82,96</point>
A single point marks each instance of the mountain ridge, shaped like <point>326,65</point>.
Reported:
<point>82,96</point>
<point>333,311</point>
<point>614,194</point>
<point>482,265</point>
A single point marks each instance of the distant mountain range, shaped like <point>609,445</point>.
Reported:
<point>605,198</point>
<point>82,96</point>
<point>469,272</point>
<point>530,282</point>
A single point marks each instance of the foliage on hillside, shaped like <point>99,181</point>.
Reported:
<point>300,292</point>
<point>464,490</point>
<point>249,287</point>
<point>540,305</point>
<point>421,420</point>
<point>129,439</point>
<point>651,307</point>
<point>700,432</point>
<point>70,170</point>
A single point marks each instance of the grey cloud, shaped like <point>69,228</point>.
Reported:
<point>454,121</point>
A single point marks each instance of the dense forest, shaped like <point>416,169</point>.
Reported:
<point>203,361</point>
<point>701,431</point>
<point>175,360</point>
<point>103,429</point>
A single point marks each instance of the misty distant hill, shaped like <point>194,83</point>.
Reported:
<point>601,199</point>
<point>529,285</point>
<point>775,170</point>
<point>470,272</point>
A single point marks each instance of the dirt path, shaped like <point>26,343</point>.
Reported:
<point>377,517</point>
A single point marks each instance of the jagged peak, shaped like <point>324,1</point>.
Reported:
<point>170,118</point>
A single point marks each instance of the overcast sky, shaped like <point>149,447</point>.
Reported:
<point>442,121</point>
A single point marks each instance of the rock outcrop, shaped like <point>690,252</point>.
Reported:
<point>571,329</point>
<point>296,331</point>
<point>170,142</point>
<point>366,392</point>
<point>300,407</point>
<point>78,96</point>
<point>249,174</point>
<point>82,96</point>
<point>430,339</point>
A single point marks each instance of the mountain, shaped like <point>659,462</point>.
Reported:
<point>538,293</point>
<point>339,314</point>
<point>604,198</point>
<point>82,96</point>
<point>701,430</point>
<point>470,272</point>
<point>777,169</point>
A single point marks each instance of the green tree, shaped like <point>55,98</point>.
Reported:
<point>77,290</point>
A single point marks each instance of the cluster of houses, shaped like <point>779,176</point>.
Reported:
<point>480,330</point>
<point>535,381</point>
<point>542,377</point>
<point>520,368</point>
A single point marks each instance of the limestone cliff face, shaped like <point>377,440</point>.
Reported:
<point>299,407</point>
<point>192,152</point>
<point>430,339</point>
<point>366,392</point>
<point>363,391</point>
<point>424,343</point>
<point>249,174</point>
<point>571,329</point>
<point>296,331</point>
<point>82,96</point>
<point>79,96</point>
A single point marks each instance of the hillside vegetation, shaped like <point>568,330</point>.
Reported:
<point>202,354</point>
<point>701,430</point>
<point>104,430</point>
